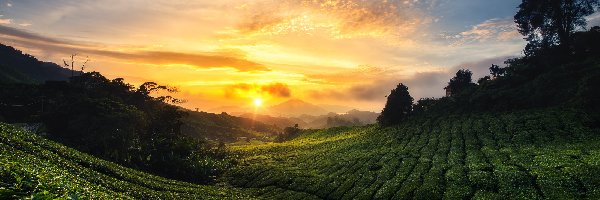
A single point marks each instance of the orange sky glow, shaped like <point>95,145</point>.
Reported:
<point>231,53</point>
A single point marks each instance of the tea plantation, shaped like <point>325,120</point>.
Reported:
<point>540,154</point>
<point>33,167</point>
<point>546,154</point>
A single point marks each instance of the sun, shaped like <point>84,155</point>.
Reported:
<point>258,102</point>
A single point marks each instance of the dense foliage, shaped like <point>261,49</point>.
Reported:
<point>289,133</point>
<point>531,154</point>
<point>32,167</point>
<point>461,82</point>
<point>548,23</point>
<point>548,79</point>
<point>397,108</point>
<point>116,121</point>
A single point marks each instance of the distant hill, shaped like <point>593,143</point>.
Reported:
<point>336,108</point>
<point>232,110</point>
<point>224,127</point>
<point>351,118</point>
<point>283,114</point>
<point>296,107</point>
<point>18,67</point>
<point>280,122</point>
<point>367,117</point>
<point>10,75</point>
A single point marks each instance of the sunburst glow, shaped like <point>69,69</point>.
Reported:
<point>222,54</point>
<point>258,102</point>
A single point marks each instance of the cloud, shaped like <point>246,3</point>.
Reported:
<point>280,90</point>
<point>277,89</point>
<point>207,60</point>
<point>33,37</point>
<point>340,18</point>
<point>365,73</point>
<point>200,60</point>
<point>593,20</point>
<point>426,84</point>
<point>5,21</point>
<point>374,84</point>
<point>490,30</point>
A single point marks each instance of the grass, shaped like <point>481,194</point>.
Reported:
<point>540,154</point>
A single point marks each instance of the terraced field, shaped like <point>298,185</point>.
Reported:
<point>546,154</point>
<point>32,167</point>
<point>527,155</point>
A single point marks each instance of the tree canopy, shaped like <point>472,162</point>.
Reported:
<point>461,81</point>
<point>116,121</point>
<point>397,107</point>
<point>547,23</point>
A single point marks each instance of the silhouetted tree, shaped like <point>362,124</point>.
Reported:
<point>483,80</point>
<point>496,71</point>
<point>424,105</point>
<point>460,82</point>
<point>289,133</point>
<point>547,23</point>
<point>397,107</point>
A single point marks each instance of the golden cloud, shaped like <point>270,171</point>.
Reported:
<point>340,18</point>
<point>361,74</point>
<point>231,59</point>
<point>280,90</point>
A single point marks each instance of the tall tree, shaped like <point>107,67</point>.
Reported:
<point>547,23</point>
<point>397,107</point>
<point>460,82</point>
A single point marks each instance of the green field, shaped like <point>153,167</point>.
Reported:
<point>32,167</point>
<point>524,155</point>
<point>543,154</point>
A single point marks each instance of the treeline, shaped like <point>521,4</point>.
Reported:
<point>116,121</point>
<point>548,78</point>
<point>561,67</point>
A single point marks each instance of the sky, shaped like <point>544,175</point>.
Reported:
<point>231,52</point>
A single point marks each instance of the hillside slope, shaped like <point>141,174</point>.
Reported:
<point>31,166</point>
<point>24,68</point>
<point>224,127</point>
<point>549,154</point>
<point>538,154</point>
